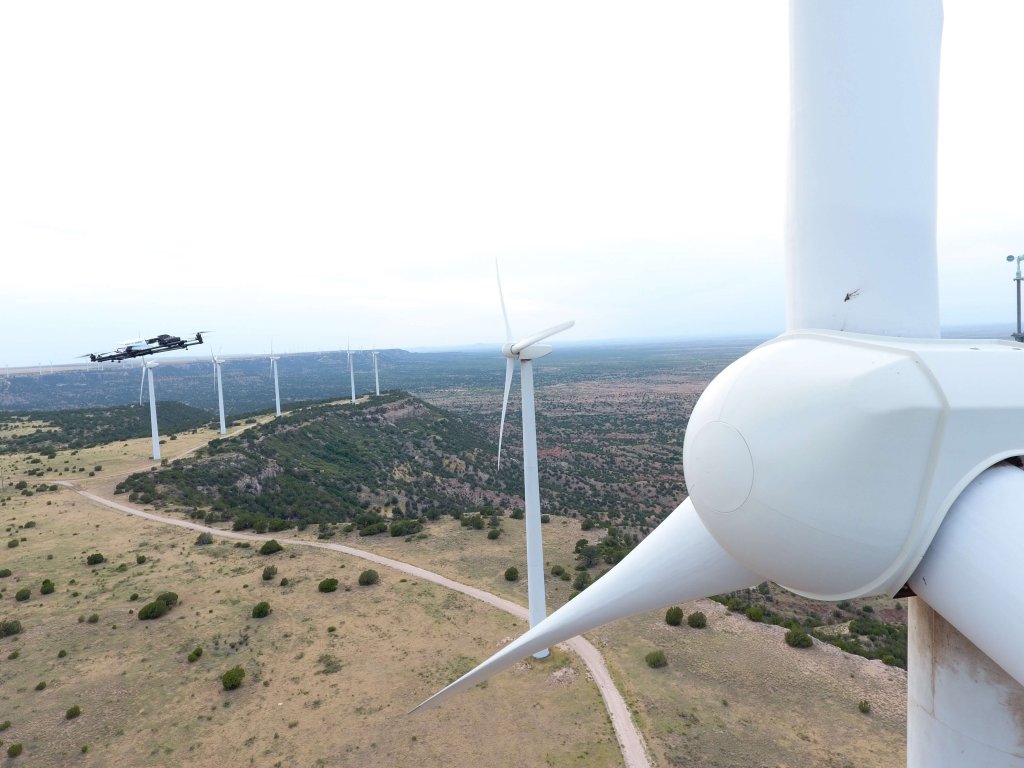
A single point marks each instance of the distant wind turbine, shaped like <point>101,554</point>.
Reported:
<point>526,351</point>
<point>351,373</point>
<point>277,391</point>
<point>219,386</point>
<point>147,368</point>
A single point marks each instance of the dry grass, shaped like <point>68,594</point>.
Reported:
<point>143,703</point>
<point>732,695</point>
<point>735,695</point>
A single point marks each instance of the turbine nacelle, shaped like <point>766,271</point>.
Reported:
<point>826,461</point>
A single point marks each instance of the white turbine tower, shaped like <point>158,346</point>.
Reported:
<point>277,390</point>
<point>147,368</point>
<point>351,373</point>
<point>526,351</point>
<point>376,376</point>
<point>870,462</point>
<point>219,386</point>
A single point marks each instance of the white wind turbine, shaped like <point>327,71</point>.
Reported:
<point>842,464</point>
<point>351,373</point>
<point>376,376</point>
<point>219,386</point>
<point>147,368</point>
<point>277,391</point>
<point>526,351</point>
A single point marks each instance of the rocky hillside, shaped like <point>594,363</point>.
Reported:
<point>394,456</point>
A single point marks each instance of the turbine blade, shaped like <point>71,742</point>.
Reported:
<point>143,383</point>
<point>529,341</point>
<point>970,574</point>
<point>509,365</point>
<point>501,295</point>
<point>679,561</point>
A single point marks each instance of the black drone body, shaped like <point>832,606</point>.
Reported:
<point>162,343</point>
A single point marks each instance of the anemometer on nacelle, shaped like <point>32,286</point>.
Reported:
<point>826,461</point>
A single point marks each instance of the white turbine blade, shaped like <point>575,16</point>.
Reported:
<point>501,295</point>
<point>970,574</point>
<point>509,365</point>
<point>678,562</point>
<point>529,341</point>
<point>143,383</point>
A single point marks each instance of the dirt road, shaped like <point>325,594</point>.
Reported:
<point>634,749</point>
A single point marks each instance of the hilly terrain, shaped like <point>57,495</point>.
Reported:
<point>390,458</point>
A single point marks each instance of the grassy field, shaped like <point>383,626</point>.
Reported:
<point>732,695</point>
<point>310,696</point>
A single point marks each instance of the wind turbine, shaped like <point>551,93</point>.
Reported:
<point>147,368</point>
<point>277,391</point>
<point>526,351</point>
<point>376,376</point>
<point>914,430</point>
<point>351,373</point>
<point>219,386</point>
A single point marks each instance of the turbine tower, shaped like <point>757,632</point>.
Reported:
<point>277,391</point>
<point>351,374</point>
<point>147,368</point>
<point>219,386</point>
<point>890,476</point>
<point>526,351</point>
<point>376,376</point>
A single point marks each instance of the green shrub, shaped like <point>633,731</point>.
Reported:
<point>261,610</point>
<point>169,598</point>
<point>284,582</point>
<point>204,538</point>
<point>47,587</point>
<point>5,725</point>
<point>197,651</point>
<point>368,578</point>
<point>134,596</point>
<point>12,543</point>
<point>93,618</point>
<point>656,659</point>
<point>545,518</point>
<point>232,678</point>
<point>864,706</point>
<point>269,572</point>
<point>328,585</point>
<point>140,559</point>
<point>22,594</point>
<point>405,527</point>
<point>557,570</point>
<point>13,655</point>
<point>9,627</point>
<point>697,620</point>
<point>61,653</point>
<point>582,581</point>
<point>14,750</point>
<point>512,573</point>
<point>95,559</point>
<point>674,616</point>
<point>755,613</point>
<point>4,573</point>
<point>270,547</point>
<point>494,533</point>
<point>153,610</point>
<point>41,685</point>
<point>797,638</point>
<point>73,712</point>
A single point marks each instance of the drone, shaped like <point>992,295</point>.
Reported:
<point>141,347</point>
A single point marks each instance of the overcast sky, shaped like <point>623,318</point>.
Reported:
<point>313,173</point>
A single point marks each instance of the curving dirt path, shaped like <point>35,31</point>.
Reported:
<point>631,743</point>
